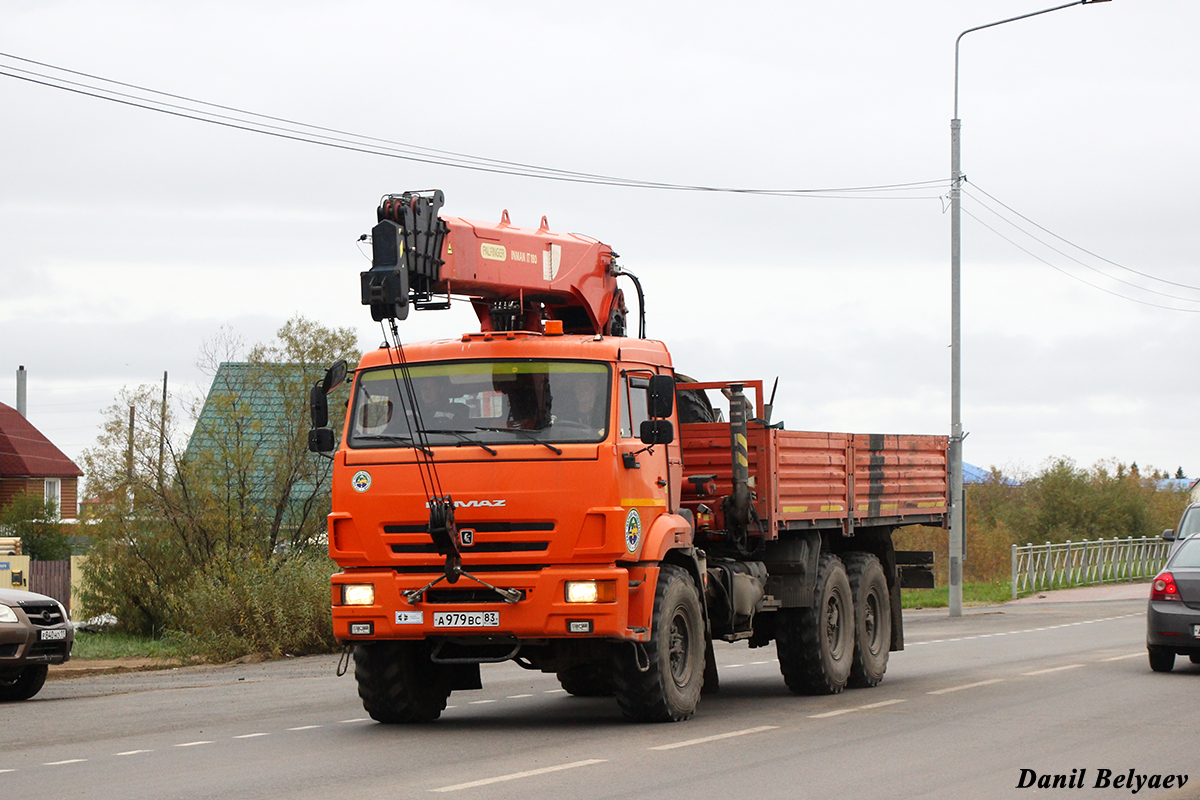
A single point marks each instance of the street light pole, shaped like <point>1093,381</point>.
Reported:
<point>957,531</point>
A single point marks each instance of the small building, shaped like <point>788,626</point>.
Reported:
<point>31,465</point>
<point>1195,490</point>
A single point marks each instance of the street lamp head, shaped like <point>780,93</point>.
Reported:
<point>1088,2</point>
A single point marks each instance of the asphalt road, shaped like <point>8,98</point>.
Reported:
<point>1049,688</point>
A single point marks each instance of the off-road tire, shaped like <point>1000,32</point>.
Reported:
<point>25,685</point>
<point>872,619</point>
<point>398,683</point>
<point>588,680</point>
<point>1161,660</point>
<point>669,688</point>
<point>816,644</point>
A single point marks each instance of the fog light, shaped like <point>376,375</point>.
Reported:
<point>591,591</point>
<point>358,594</point>
<point>361,628</point>
<point>579,626</point>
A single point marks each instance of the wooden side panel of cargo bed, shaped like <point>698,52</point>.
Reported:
<point>899,476</point>
<point>811,475</point>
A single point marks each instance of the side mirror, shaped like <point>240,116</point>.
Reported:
<point>657,431</point>
<point>318,405</point>
<point>1169,535</point>
<point>660,400</point>
<point>320,440</point>
<point>334,376</point>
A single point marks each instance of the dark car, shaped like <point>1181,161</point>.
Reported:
<point>34,633</point>
<point>1173,615</point>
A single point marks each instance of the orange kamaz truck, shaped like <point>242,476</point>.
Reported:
<point>549,490</point>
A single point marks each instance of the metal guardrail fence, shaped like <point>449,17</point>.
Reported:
<point>1037,567</point>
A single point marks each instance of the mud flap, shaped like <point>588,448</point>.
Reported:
<point>712,683</point>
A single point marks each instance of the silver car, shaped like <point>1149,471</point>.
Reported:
<point>1173,614</point>
<point>34,633</point>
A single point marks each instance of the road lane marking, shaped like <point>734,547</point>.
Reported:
<point>967,686</point>
<point>835,713</point>
<point>134,752</point>
<point>752,663</point>
<point>356,719</point>
<point>7,770</point>
<point>517,696</point>
<point>191,744</point>
<point>715,737</point>
<point>1052,669</point>
<point>517,775</point>
<point>1122,658</point>
<point>481,702</point>
<point>60,763</point>
<point>883,703</point>
<point>731,666</point>
<point>555,691</point>
<point>1027,630</point>
<point>304,728</point>
<point>251,735</point>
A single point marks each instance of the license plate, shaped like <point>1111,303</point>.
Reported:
<point>466,619</point>
<point>50,636</point>
<point>1196,631</point>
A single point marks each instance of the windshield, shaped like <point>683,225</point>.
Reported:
<point>461,403</point>
<point>1190,523</point>
<point>1188,555</point>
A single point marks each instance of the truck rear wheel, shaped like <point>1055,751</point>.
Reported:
<point>398,682</point>
<point>588,680</point>
<point>661,681</point>
<point>25,685</point>
<point>872,619</point>
<point>816,644</point>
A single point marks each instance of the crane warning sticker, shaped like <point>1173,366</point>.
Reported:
<point>633,530</point>
<point>493,252</point>
<point>551,258</point>
<point>361,481</point>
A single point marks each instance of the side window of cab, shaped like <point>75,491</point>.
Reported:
<point>633,404</point>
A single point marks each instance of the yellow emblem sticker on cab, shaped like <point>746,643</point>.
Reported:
<point>633,530</point>
<point>361,481</point>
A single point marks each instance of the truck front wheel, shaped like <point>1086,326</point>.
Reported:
<point>872,619</point>
<point>399,683</point>
<point>816,644</point>
<point>661,681</point>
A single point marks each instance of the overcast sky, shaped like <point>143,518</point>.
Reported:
<point>128,237</point>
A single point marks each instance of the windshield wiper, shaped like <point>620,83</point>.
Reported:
<point>384,437</point>
<point>461,435</point>
<point>524,433</point>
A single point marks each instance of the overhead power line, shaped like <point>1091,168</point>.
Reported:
<point>1072,244</point>
<point>177,105</point>
<point>1073,276</point>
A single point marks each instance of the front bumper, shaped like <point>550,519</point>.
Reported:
<point>21,644</point>
<point>1173,625</point>
<point>543,613</point>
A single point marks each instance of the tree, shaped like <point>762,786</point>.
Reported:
<point>35,523</point>
<point>241,492</point>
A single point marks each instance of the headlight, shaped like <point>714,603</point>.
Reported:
<point>358,594</point>
<point>591,591</point>
<point>7,614</point>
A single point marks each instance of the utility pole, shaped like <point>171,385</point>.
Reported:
<point>957,531</point>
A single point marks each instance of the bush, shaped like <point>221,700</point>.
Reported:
<point>1061,503</point>
<point>270,607</point>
